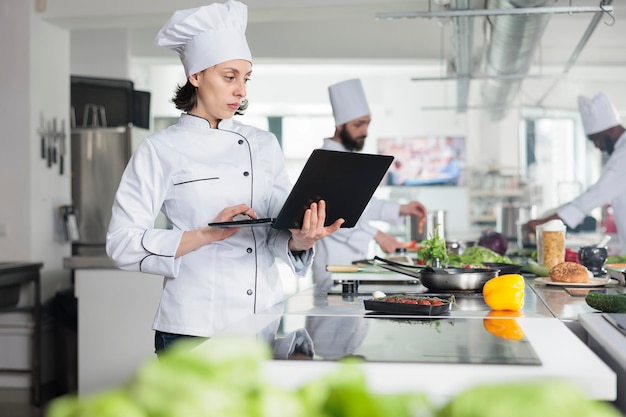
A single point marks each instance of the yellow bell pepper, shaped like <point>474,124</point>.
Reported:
<point>503,324</point>
<point>505,292</point>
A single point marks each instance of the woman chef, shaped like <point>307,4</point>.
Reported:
<point>207,168</point>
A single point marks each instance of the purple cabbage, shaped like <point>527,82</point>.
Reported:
<point>493,240</point>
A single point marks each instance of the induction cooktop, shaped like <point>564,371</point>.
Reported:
<point>376,338</point>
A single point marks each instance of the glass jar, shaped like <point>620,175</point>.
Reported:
<point>551,243</point>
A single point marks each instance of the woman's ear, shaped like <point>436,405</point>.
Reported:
<point>193,79</point>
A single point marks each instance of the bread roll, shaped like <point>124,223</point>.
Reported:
<point>569,272</point>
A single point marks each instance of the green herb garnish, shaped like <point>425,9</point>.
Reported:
<point>434,253</point>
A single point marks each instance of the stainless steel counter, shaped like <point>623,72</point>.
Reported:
<point>467,304</point>
<point>568,303</point>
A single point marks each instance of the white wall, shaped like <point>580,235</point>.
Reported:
<point>15,157</point>
<point>100,53</point>
<point>49,95</point>
<point>33,80</point>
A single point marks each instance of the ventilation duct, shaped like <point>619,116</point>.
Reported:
<point>463,39</point>
<point>512,41</point>
<point>515,28</point>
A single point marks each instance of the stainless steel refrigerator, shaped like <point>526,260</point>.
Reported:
<point>99,157</point>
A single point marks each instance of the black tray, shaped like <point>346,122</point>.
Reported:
<point>412,309</point>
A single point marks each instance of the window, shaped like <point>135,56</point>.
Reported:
<point>301,135</point>
<point>556,157</point>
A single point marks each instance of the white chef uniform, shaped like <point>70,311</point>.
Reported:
<point>610,188</point>
<point>191,172</point>
<point>196,171</point>
<point>599,114</point>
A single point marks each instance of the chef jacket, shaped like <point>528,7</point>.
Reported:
<point>191,172</point>
<point>349,244</point>
<point>610,188</point>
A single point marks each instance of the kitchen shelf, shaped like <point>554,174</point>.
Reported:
<point>489,188</point>
<point>25,274</point>
<point>496,193</point>
<point>483,219</point>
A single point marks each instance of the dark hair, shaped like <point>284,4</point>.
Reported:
<point>186,97</point>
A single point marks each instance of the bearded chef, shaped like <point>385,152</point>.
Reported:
<point>352,118</point>
<point>602,126</point>
<point>209,168</point>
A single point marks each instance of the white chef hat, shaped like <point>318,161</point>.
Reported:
<point>348,101</point>
<point>598,113</point>
<point>208,35</point>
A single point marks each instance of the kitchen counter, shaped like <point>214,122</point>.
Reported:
<point>467,304</point>
<point>88,262</point>
<point>115,313</point>
<point>569,304</point>
<point>561,354</point>
<point>610,345</point>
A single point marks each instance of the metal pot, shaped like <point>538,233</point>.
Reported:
<point>447,279</point>
<point>458,246</point>
<point>524,238</point>
<point>457,279</point>
<point>511,217</point>
<point>434,219</point>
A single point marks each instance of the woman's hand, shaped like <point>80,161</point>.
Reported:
<point>194,239</point>
<point>312,228</point>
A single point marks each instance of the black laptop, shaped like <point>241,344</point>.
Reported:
<point>346,181</point>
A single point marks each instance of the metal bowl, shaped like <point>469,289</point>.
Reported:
<point>457,279</point>
<point>458,246</point>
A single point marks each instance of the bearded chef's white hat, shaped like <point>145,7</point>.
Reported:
<point>208,35</point>
<point>598,113</point>
<point>348,101</point>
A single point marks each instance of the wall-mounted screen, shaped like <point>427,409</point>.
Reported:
<point>425,160</point>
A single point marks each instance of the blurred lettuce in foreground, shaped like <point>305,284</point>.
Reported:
<point>224,377</point>
<point>526,399</point>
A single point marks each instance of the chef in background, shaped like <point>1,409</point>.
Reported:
<point>209,168</point>
<point>602,126</point>
<point>352,118</point>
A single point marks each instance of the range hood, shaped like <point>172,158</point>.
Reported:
<point>514,31</point>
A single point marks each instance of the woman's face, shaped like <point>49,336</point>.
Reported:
<point>220,89</point>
